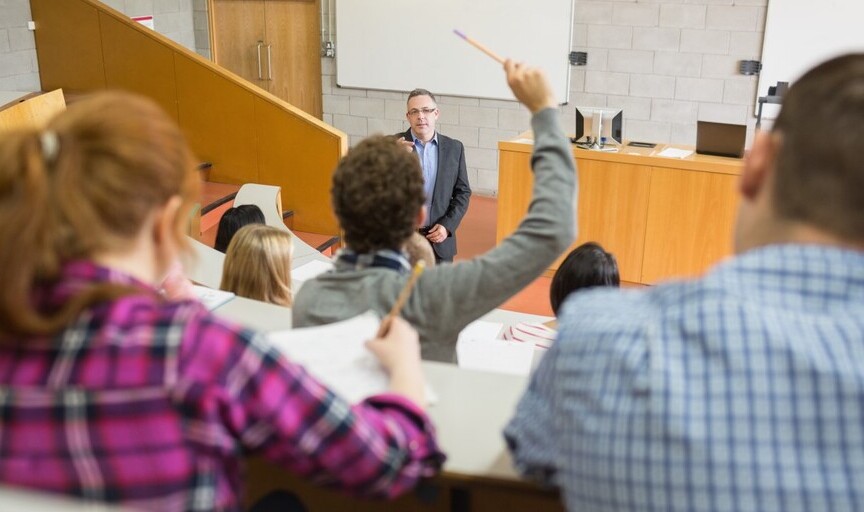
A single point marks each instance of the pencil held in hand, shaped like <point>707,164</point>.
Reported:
<point>400,301</point>
<point>480,46</point>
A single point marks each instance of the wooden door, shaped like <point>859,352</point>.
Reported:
<point>238,27</point>
<point>294,50</point>
<point>274,44</point>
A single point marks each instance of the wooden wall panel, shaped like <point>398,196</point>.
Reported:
<point>68,45</point>
<point>515,181</point>
<point>218,118</point>
<point>691,218</point>
<point>296,155</point>
<point>138,63</point>
<point>613,201</point>
<point>661,217</point>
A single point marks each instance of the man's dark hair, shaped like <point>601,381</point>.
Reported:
<point>586,266</point>
<point>819,170</point>
<point>422,92</point>
<point>377,193</point>
<point>234,219</point>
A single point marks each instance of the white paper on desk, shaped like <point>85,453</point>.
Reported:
<point>211,298</point>
<point>310,270</point>
<point>482,330</point>
<point>491,355</point>
<point>675,153</point>
<point>337,355</point>
<point>478,349</point>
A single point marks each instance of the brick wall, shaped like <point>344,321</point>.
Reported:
<point>184,21</point>
<point>18,68</point>
<point>667,63</point>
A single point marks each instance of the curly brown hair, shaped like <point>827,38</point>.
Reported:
<point>377,193</point>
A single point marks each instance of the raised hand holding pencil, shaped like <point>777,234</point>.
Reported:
<point>529,84</point>
<point>480,46</point>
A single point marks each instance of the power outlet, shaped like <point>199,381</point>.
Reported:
<point>329,49</point>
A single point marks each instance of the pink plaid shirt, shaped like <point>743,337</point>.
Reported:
<point>152,404</point>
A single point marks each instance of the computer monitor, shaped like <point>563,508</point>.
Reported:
<point>593,124</point>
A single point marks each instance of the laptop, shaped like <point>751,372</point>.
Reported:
<point>720,139</point>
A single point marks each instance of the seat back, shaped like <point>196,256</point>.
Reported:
<point>266,197</point>
<point>206,268</point>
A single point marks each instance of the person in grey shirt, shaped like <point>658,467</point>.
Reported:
<point>378,198</point>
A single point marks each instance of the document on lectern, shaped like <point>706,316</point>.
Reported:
<point>337,355</point>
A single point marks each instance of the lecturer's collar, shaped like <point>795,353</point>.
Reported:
<point>418,141</point>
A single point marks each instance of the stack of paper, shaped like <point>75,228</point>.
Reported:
<point>336,354</point>
<point>675,153</point>
<point>479,349</point>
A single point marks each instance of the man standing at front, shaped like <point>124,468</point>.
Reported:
<point>444,174</point>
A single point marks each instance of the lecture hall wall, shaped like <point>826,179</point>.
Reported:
<point>667,63</point>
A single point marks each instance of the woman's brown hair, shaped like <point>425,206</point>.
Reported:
<point>258,264</point>
<point>84,185</point>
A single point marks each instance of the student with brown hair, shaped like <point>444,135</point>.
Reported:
<point>109,391</point>
<point>743,389</point>
<point>258,264</point>
<point>378,198</point>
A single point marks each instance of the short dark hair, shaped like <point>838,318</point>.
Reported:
<point>421,92</point>
<point>377,194</point>
<point>234,219</point>
<point>819,175</point>
<point>586,266</point>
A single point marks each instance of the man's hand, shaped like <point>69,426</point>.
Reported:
<point>407,144</point>
<point>530,86</point>
<point>437,234</point>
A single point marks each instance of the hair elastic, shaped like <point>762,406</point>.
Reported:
<point>50,146</point>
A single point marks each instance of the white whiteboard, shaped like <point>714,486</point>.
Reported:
<point>799,34</point>
<point>403,44</point>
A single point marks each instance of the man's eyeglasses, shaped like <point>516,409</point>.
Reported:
<point>414,112</point>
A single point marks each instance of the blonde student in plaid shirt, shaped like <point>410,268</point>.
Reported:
<point>109,391</point>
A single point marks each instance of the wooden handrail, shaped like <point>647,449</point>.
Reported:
<point>248,134</point>
<point>35,110</point>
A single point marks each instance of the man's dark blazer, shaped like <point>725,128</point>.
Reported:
<point>452,192</point>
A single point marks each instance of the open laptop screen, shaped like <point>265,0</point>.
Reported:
<point>720,139</point>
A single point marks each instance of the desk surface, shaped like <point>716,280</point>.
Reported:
<point>640,156</point>
<point>473,406</point>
